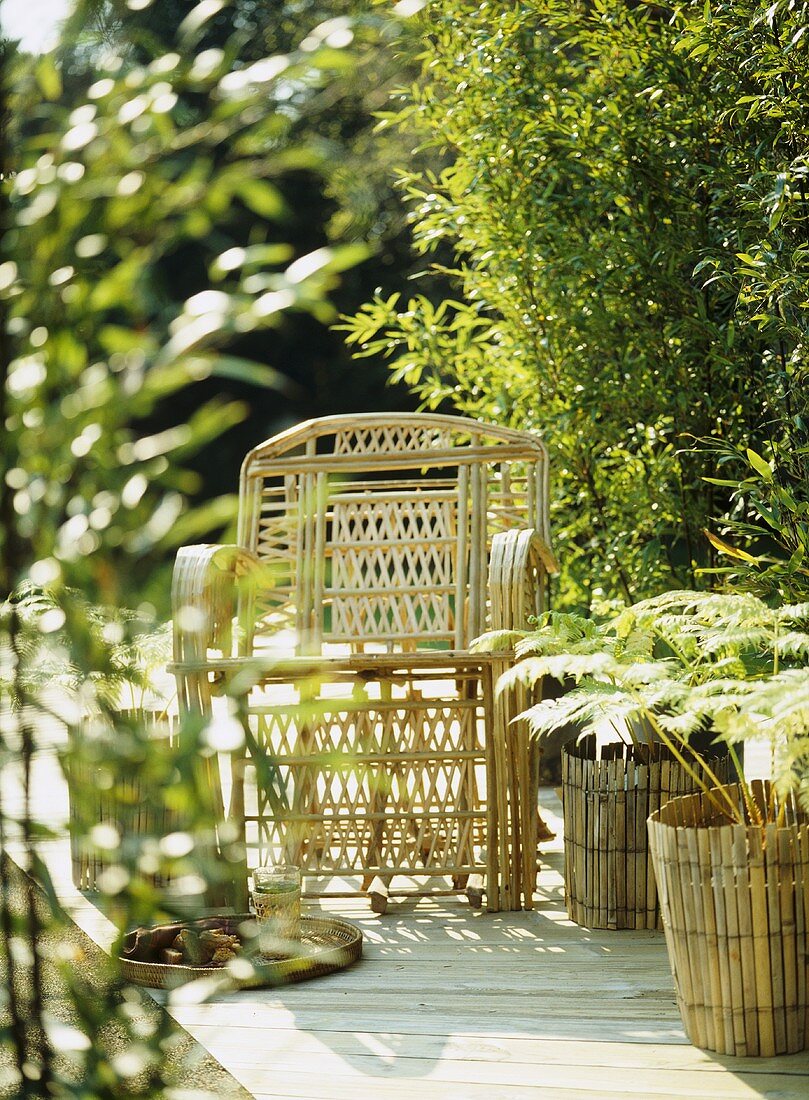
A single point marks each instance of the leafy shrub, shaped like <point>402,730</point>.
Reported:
<point>98,188</point>
<point>626,203</point>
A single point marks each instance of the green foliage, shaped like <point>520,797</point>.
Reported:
<point>124,654</point>
<point>103,190</point>
<point>770,515</point>
<point>758,65</point>
<point>624,235</point>
<point>100,199</point>
<point>344,194</point>
<point>678,664</point>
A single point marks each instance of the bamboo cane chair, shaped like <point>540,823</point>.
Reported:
<point>376,746</point>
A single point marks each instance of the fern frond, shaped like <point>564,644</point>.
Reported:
<point>684,660</point>
<point>593,704</point>
<point>681,726</point>
<point>559,667</point>
<point>637,673</point>
<point>494,640</point>
<point>794,644</point>
<point>793,613</point>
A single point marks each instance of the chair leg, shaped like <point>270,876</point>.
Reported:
<point>544,831</point>
<point>475,891</point>
<point>378,895</point>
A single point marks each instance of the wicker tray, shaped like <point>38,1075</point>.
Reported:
<point>326,945</point>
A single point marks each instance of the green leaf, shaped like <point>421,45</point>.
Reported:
<point>199,15</point>
<point>346,256</point>
<point>49,78</point>
<point>261,197</point>
<point>246,370</point>
<point>759,464</point>
<point>725,548</point>
<point>202,521</point>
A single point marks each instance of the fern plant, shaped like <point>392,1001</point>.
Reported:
<point>676,664</point>
<point>130,654</point>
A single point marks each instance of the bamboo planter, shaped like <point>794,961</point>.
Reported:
<point>735,904</point>
<point>608,793</point>
<point>135,812</point>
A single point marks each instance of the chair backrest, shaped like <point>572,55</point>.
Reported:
<point>377,527</point>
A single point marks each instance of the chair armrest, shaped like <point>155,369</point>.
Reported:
<point>212,584</point>
<point>518,564</point>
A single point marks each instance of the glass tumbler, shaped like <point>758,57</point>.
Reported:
<point>277,901</point>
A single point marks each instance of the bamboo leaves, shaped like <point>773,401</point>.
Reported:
<point>626,201</point>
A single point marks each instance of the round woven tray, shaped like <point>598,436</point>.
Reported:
<point>326,945</point>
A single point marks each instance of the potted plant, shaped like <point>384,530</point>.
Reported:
<point>661,674</point>
<point>732,866</point>
<point>121,752</point>
<point>624,766</point>
<point>121,736</point>
<point>146,806</point>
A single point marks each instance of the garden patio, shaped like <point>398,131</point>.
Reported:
<point>393,392</point>
<point>447,1000</point>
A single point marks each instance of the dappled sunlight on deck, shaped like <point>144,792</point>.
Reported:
<point>449,1001</point>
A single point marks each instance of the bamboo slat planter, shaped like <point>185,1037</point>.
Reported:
<point>735,904</point>
<point>608,793</point>
<point>137,813</point>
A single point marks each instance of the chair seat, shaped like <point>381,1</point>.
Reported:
<point>270,666</point>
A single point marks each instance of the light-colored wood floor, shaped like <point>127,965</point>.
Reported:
<point>451,1003</point>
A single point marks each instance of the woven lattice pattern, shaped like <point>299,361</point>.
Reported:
<point>379,778</point>
<point>277,546</point>
<point>393,438</point>
<point>382,531</point>
<point>510,498</point>
<point>392,565</point>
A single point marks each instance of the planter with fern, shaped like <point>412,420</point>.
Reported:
<point>731,861</point>
<point>118,813</point>
<point>732,866</point>
<point>608,792</point>
<point>654,678</point>
<point>145,798</point>
<point>120,754</point>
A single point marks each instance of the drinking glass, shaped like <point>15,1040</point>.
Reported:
<point>277,900</point>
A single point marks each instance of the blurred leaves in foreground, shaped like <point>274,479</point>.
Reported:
<point>125,173</point>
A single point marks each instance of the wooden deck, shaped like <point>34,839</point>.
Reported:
<point>449,1002</point>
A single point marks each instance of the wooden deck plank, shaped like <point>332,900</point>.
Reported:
<point>632,1030</point>
<point>367,1076</point>
<point>316,1086</point>
<point>281,1042</point>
